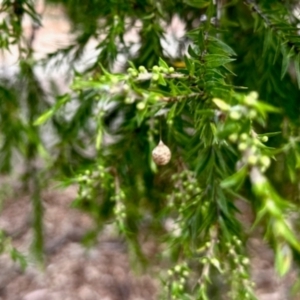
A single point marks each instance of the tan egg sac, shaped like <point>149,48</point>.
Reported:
<point>161,154</point>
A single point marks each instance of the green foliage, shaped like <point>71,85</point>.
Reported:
<point>227,107</point>
<point>6,247</point>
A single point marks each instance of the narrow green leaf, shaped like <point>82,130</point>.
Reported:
<point>192,52</point>
<point>162,63</point>
<point>235,180</point>
<point>267,41</point>
<point>217,60</point>
<point>259,216</point>
<point>297,155</point>
<point>276,53</point>
<point>282,229</point>
<point>270,134</point>
<point>285,60</point>
<point>223,203</point>
<point>161,80</point>
<point>131,64</point>
<point>257,22</point>
<point>44,117</point>
<point>99,138</point>
<point>197,3</point>
<point>283,259</point>
<point>61,100</point>
<point>203,161</point>
<point>187,63</point>
<point>221,104</point>
<point>227,69</point>
<point>297,69</point>
<point>103,69</point>
<point>264,108</point>
<point>220,44</point>
<point>171,112</point>
<point>216,264</point>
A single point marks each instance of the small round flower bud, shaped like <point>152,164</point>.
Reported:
<point>252,114</point>
<point>242,146</point>
<point>253,95</point>
<point>265,161</point>
<point>177,268</point>
<point>252,160</point>
<point>128,100</point>
<point>235,115</point>
<point>141,105</point>
<point>126,87</point>
<point>142,69</point>
<point>245,261</point>
<point>244,136</point>
<point>129,70</point>
<point>155,68</point>
<point>233,137</point>
<point>155,77</point>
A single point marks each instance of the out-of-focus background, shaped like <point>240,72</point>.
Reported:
<point>72,271</point>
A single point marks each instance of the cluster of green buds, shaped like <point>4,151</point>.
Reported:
<point>86,182</point>
<point>177,280</point>
<point>248,107</point>
<point>154,73</point>
<point>207,251</point>
<point>245,107</point>
<point>133,72</point>
<point>149,98</point>
<point>119,208</point>
<point>186,192</point>
<point>108,84</point>
<point>252,148</point>
<point>161,71</point>
<point>92,178</point>
<point>100,181</point>
<point>141,73</point>
<point>238,272</point>
<point>208,259</point>
<point>93,181</point>
<point>239,117</point>
<point>186,188</point>
<point>254,107</point>
<point>186,195</point>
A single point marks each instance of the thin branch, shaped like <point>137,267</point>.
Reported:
<point>182,97</point>
<point>271,25</point>
<point>209,254</point>
<point>255,8</point>
<point>148,76</point>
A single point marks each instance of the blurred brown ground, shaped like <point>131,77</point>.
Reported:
<point>71,270</point>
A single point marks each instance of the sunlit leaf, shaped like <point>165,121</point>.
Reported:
<point>236,180</point>
<point>283,259</point>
